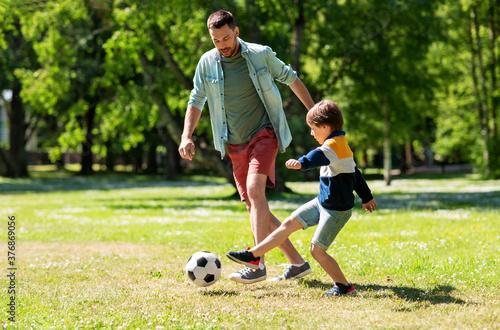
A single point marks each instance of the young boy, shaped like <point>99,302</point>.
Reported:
<point>332,208</point>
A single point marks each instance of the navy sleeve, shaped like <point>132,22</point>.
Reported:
<point>315,158</point>
<point>361,187</point>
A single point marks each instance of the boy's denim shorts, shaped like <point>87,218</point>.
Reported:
<point>329,222</point>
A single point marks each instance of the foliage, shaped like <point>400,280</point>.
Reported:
<point>466,132</point>
<point>15,53</point>
<point>116,73</point>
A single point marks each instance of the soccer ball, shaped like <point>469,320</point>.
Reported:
<point>203,268</point>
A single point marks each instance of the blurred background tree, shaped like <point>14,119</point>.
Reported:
<point>109,79</point>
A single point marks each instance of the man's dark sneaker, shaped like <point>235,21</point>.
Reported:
<point>292,272</point>
<point>248,275</point>
<point>244,257</point>
<point>340,289</point>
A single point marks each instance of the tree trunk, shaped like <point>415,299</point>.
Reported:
<point>481,99</point>
<point>409,155</point>
<point>297,36</point>
<point>492,67</point>
<point>5,166</point>
<point>110,156</point>
<point>293,105</point>
<point>477,97</point>
<point>16,158</point>
<point>172,158</point>
<point>137,154</point>
<point>166,54</point>
<point>87,156</point>
<point>482,72</point>
<point>387,146</point>
<point>152,142</point>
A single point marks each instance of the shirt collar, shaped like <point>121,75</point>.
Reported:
<point>334,134</point>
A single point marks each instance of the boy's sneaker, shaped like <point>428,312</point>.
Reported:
<point>340,289</point>
<point>292,272</point>
<point>248,275</point>
<point>244,257</point>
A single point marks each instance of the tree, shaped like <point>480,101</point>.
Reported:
<point>150,40</point>
<point>468,104</point>
<point>68,38</point>
<point>15,52</point>
<point>372,65</point>
<point>116,76</point>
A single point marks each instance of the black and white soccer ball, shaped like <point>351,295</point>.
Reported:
<point>204,268</point>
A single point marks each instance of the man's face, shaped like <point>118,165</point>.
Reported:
<point>225,40</point>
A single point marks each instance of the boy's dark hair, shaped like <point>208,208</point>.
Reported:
<point>221,18</point>
<point>328,113</point>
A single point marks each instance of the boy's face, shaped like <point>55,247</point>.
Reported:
<point>320,133</point>
<point>225,40</point>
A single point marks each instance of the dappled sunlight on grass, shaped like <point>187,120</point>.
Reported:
<point>109,252</point>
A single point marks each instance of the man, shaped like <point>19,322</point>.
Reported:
<point>246,112</point>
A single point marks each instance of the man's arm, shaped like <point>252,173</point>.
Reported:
<point>186,148</point>
<point>302,93</point>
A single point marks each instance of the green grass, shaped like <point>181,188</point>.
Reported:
<point>109,251</point>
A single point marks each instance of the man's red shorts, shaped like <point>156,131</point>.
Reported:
<point>256,156</point>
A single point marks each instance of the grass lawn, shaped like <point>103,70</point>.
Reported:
<point>109,251</point>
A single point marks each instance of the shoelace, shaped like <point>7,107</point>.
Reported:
<point>246,270</point>
<point>286,269</point>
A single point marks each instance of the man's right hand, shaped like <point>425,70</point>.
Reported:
<point>186,149</point>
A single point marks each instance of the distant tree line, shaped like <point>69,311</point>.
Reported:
<point>112,77</point>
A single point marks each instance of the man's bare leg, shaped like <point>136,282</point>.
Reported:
<point>262,220</point>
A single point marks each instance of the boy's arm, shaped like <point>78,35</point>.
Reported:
<point>315,158</point>
<point>370,206</point>
<point>293,164</point>
<point>361,188</point>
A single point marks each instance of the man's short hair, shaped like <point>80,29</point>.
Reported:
<point>221,18</point>
<point>328,113</point>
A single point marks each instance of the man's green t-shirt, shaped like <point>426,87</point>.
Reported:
<point>245,112</point>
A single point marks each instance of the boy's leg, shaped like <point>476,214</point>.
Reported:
<point>277,237</point>
<point>262,220</point>
<point>330,224</point>
<point>329,264</point>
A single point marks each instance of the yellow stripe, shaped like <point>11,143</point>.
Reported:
<point>340,146</point>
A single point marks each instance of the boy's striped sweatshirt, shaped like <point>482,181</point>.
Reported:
<point>339,175</point>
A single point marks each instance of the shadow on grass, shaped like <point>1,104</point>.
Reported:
<point>73,182</point>
<point>392,201</point>
<point>436,201</point>
<point>395,200</point>
<point>440,294</point>
<point>180,204</point>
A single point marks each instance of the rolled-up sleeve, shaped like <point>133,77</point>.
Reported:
<point>279,70</point>
<point>198,95</point>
